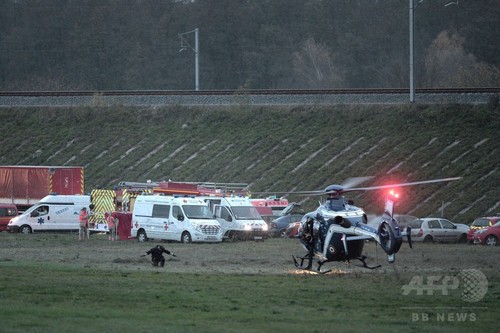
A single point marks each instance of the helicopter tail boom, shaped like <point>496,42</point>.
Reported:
<point>356,232</point>
<point>389,239</point>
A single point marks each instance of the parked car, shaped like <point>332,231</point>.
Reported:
<point>291,214</point>
<point>488,235</point>
<point>7,212</point>
<point>433,229</point>
<point>480,223</point>
<point>293,229</point>
<point>403,220</point>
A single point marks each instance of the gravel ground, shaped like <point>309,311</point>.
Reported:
<point>231,99</point>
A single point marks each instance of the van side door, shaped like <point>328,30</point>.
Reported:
<point>159,222</point>
<point>177,222</point>
<point>224,217</point>
<point>65,217</point>
<point>40,218</point>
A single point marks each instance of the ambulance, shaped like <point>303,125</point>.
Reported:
<point>174,218</point>
<point>51,213</point>
<point>238,218</point>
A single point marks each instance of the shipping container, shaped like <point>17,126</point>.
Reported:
<point>24,185</point>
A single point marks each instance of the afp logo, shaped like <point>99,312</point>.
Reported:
<point>472,283</point>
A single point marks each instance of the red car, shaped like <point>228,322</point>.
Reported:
<point>7,211</point>
<point>488,236</point>
<point>480,223</point>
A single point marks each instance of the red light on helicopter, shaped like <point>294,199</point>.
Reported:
<point>393,194</point>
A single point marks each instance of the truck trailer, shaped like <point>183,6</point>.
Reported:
<point>24,185</point>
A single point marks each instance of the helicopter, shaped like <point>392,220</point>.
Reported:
<point>337,230</point>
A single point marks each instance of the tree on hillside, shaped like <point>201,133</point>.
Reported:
<point>478,75</point>
<point>448,65</point>
<point>314,67</point>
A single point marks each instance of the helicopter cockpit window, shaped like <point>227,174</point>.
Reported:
<point>336,204</point>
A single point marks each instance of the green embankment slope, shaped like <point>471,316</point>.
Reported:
<point>275,149</point>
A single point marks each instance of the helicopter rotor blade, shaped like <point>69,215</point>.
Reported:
<point>381,187</point>
<point>351,182</point>
<point>337,189</point>
<point>347,186</point>
<point>292,192</point>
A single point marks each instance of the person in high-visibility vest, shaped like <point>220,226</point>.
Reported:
<point>110,219</point>
<point>84,224</point>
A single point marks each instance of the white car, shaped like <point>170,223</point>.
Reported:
<point>433,229</point>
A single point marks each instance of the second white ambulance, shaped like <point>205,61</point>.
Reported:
<point>182,219</point>
<point>238,218</point>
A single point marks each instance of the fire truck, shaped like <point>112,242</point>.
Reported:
<point>270,207</point>
<point>119,202</point>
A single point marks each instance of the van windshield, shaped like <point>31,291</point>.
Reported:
<point>245,213</point>
<point>197,212</point>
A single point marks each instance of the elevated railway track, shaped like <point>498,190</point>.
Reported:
<point>246,97</point>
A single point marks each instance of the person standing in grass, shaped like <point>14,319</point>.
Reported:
<point>110,219</point>
<point>84,224</point>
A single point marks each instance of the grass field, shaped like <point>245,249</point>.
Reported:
<point>53,283</point>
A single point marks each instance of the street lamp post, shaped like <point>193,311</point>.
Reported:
<point>184,45</point>
<point>411,19</point>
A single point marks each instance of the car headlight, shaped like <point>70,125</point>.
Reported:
<point>265,227</point>
<point>247,227</point>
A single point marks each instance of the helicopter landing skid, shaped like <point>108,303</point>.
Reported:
<point>309,266</point>
<point>365,265</point>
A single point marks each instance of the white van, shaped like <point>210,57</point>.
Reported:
<point>182,219</point>
<point>238,218</point>
<point>51,213</point>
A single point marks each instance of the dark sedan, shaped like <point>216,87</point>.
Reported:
<point>291,214</point>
